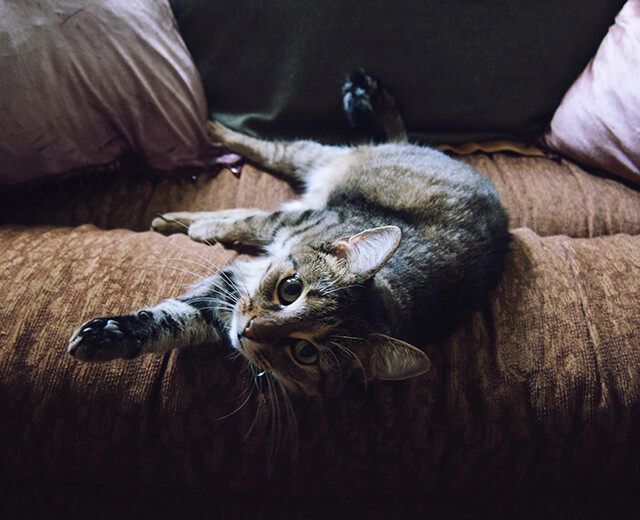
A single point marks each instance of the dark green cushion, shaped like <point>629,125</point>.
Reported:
<point>462,70</point>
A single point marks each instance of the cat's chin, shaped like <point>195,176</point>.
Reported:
<point>244,346</point>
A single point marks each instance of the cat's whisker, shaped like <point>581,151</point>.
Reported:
<point>255,419</point>
<point>337,363</point>
<point>233,355</point>
<point>338,289</point>
<point>244,403</point>
<point>261,401</point>
<point>230,296</point>
<point>229,304</point>
<point>225,261</point>
<point>329,284</point>
<point>211,270</point>
<point>241,278</point>
<point>291,417</point>
<point>275,420</point>
<point>233,282</point>
<point>178,269</point>
<point>217,305</point>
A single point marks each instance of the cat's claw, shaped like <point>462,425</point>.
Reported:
<point>101,339</point>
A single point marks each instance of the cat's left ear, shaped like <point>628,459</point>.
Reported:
<point>368,251</point>
<point>392,359</point>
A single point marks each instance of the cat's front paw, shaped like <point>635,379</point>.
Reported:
<point>225,226</point>
<point>102,339</point>
<point>169,223</point>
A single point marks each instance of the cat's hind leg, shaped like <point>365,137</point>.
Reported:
<point>371,110</point>
<point>294,160</point>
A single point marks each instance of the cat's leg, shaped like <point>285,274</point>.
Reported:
<point>252,228</point>
<point>291,159</point>
<point>199,317</point>
<point>180,221</point>
<point>257,230</point>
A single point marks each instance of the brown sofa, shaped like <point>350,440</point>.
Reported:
<point>532,403</point>
<point>532,409</point>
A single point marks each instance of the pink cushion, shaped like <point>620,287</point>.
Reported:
<point>85,82</point>
<point>598,121</point>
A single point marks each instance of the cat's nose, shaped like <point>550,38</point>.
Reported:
<point>262,331</point>
<point>249,331</point>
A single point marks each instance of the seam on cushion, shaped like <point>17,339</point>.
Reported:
<point>587,200</point>
<point>569,255</point>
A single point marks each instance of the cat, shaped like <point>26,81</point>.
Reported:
<point>391,246</point>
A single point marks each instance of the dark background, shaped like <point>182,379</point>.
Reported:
<point>462,70</point>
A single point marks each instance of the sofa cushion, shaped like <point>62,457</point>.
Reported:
<point>539,391</point>
<point>551,197</point>
<point>462,71</point>
<point>85,83</point>
<point>598,121</point>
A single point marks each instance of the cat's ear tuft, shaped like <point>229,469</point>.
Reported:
<point>392,359</point>
<point>368,251</point>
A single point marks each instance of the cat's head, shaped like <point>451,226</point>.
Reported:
<point>303,318</point>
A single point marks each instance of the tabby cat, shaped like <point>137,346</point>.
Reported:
<point>391,245</point>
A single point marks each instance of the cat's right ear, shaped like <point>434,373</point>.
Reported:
<point>366,252</point>
<point>392,359</point>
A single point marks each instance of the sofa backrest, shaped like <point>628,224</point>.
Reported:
<point>462,70</point>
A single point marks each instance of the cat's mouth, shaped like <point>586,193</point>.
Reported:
<point>257,357</point>
<point>260,373</point>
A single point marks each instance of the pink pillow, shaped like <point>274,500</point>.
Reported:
<point>85,82</point>
<point>598,121</point>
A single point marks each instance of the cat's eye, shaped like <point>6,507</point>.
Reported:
<point>304,352</point>
<point>289,290</point>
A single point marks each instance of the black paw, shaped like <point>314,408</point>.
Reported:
<point>103,339</point>
<point>358,90</point>
<point>359,98</point>
<point>372,110</point>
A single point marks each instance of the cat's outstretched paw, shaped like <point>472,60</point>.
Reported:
<point>102,339</point>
